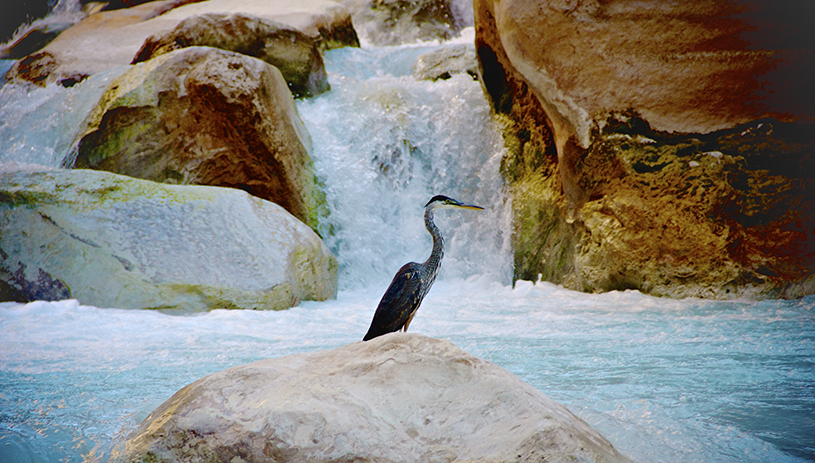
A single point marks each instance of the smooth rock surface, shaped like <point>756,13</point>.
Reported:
<point>685,67</point>
<point>293,53</point>
<point>444,62</point>
<point>398,398</point>
<point>661,147</point>
<point>205,116</point>
<point>112,38</point>
<point>115,241</point>
<point>327,22</point>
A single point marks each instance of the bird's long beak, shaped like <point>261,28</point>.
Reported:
<point>469,206</point>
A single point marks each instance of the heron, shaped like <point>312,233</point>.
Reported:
<point>413,280</point>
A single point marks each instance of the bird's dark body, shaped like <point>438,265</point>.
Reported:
<point>400,301</point>
<point>413,280</point>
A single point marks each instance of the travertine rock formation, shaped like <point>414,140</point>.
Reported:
<point>660,147</point>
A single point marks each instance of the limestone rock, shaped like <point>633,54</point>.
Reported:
<point>665,148</point>
<point>293,53</point>
<point>206,116</point>
<point>115,241</point>
<point>398,398</point>
<point>113,38</point>
<point>444,62</point>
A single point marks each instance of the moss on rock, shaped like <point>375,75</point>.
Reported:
<point>657,165</point>
<point>115,241</point>
<point>674,215</point>
<point>205,116</point>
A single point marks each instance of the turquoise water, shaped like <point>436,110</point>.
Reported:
<point>663,380</point>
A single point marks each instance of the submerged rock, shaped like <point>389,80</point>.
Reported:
<point>394,22</point>
<point>205,116</point>
<point>664,148</point>
<point>397,398</point>
<point>109,39</point>
<point>115,241</point>
<point>444,62</point>
<point>293,53</point>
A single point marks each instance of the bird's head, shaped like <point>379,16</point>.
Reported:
<point>443,202</point>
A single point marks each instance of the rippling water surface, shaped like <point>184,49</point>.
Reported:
<point>664,380</point>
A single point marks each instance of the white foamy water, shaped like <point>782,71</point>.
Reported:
<point>664,380</point>
<point>384,144</point>
<point>39,125</point>
<point>64,12</point>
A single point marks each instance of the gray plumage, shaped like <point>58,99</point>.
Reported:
<point>413,280</point>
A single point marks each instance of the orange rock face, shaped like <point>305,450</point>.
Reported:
<point>666,147</point>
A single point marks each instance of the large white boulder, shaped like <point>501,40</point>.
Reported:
<point>397,398</point>
<point>114,241</point>
<point>328,22</point>
<point>113,38</point>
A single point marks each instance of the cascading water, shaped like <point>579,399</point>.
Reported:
<point>38,127</point>
<point>664,380</point>
<point>384,144</point>
<point>61,15</point>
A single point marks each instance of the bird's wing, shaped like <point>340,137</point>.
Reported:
<point>400,300</point>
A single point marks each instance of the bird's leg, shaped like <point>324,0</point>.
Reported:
<point>410,318</point>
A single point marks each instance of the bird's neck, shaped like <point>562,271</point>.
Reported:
<point>434,261</point>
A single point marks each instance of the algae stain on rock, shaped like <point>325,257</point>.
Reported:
<point>121,242</point>
<point>191,297</point>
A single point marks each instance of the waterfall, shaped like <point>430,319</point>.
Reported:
<point>384,144</point>
<point>39,125</point>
